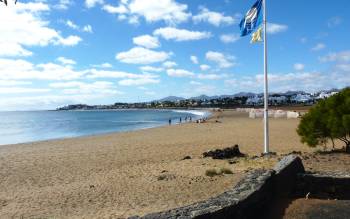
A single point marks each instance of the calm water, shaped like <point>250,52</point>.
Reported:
<point>20,127</point>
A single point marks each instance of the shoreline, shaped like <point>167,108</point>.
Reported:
<point>208,113</point>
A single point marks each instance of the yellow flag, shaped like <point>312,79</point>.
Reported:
<point>257,36</point>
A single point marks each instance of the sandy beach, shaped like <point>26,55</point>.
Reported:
<point>133,173</point>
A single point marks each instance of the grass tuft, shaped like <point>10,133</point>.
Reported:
<point>225,170</point>
<point>215,172</point>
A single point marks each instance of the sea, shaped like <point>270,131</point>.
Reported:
<point>22,127</point>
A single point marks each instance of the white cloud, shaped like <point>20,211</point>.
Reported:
<point>93,3</point>
<point>72,25</point>
<point>343,56</point>
<point>103,65</point>
<point>195,83</point>
<point>305,81</point>
<point>169,64</point>
<point>299,66</point>
<point>121,9</point>
<point>17,69</point>
<point>179,73</point>
<point>276,28</point>
<point>87,29</point>
<point>24,26</point>
<point>154,10</point>
<point>194,59</point>
<point>343,67</point>
<point>5,83</point>
<point>76,87</point>
<point>318,47</point>
<point>146,41</point>
<point>138,81</point>
<point>150,69</point>
<point>13,49</point>
<point>171,33</point>
<point>93,74</point>
<point>139,55</point>
<point>222,60</point>
<point>211,76</point>
<point>229,38</point>
<point>168,11</point>
<point>213,18</point>
<point>66,61</point>
<point>22,90</point>
<point>63,4</point>
<point>69,41</point>
<point>36,102</point>
<point>204,67</point>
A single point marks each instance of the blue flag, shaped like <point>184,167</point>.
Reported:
<point>252,19</point>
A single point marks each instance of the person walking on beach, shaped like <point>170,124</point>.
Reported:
<point>169,121</point>
<point>180,119</point>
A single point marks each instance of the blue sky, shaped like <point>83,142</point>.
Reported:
<point>59,52</point>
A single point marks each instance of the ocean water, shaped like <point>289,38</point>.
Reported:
<point>21,127</point>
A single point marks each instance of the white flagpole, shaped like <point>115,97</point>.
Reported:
<point>266,94</point>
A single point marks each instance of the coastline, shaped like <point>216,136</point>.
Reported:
<point>202,113</point>
<point>129,173</point>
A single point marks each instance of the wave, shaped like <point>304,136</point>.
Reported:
<point>193,112</point>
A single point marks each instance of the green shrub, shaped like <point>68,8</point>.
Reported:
<point>329,119</point>
<point>212,172</point>
<point>215,172</point>
<point>225,170</point>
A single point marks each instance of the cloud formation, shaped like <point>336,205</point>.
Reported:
<point>140,55</point>
<point>171,33</point>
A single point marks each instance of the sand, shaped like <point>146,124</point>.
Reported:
<point>132,173</point>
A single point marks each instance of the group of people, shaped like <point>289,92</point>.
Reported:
<point>187,118</point>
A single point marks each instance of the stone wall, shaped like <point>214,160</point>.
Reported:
<point>324,186</point>
<point>261,189</point>
<point>248,199</point>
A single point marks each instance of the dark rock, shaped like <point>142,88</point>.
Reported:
<point>232,161</point>
<point>187,158</point>
<point>225,153</point>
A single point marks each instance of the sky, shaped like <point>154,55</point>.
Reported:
<point>59,52</point>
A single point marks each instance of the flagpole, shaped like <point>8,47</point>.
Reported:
<point>266,94</point>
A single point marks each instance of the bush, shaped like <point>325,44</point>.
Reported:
<point>212,172</point>
<point>328,120</point>
<point>226,171</point>
<point>215,172</point>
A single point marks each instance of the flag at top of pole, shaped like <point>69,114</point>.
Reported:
<point>250,23</point>
<point>252,19</point>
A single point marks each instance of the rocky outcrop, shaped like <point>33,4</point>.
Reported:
<point>225,153</point>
